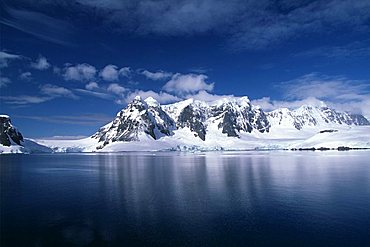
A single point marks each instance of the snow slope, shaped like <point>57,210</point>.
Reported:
<point>354,137</point>
<point>12,141</point>
<point>27,146</point>
<point>184,140</point>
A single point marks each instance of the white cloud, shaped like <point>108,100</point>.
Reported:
<point>101,95</point>
<point>112,73</point>
<point>159,75</point>
<point>324,87</point>
<point>264,24</point>
<point>188,84</point>
<point>125,71</point>
<point>360,107</point>
<point>24,99</point>
<point>267,104</point>
<point>48,92</point>
<point>82,119</point>
<point>116,89</point>
<point>4,81</point>
<point>41,63</point>
<point>205,96</point>
<point>43,26</point>
<point>161,97</point>
<point>165,98</point>
<point>56,91</point>
<point>337,92</point>
<point>248,24</point>
<point>6,57</point>
<point>109,73</point>
<point>26,76</point>
<point>353,49</point>
<point>92,86</point>
<point>80,72</point>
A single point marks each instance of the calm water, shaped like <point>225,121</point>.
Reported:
<point>177,199</point>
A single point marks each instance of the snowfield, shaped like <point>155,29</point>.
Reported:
<point>184,140</point>
<point>28,146</point>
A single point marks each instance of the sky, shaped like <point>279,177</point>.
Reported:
<point>68,66</point>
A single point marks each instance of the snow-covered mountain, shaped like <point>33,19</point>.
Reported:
<point>143,118</point>
<point>12,141</point>
<point>225,124</point>
<point>138,118</point>
<point>310,116</point>
<point>192,121</point>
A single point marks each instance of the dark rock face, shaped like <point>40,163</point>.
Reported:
<point>236,118</point>
<point>231,116</point>
<point>358,119</point>
<point>343,118</point>
<point>229,124</point>
<point>8,133</point>
<point>258,120</point>
<point>231,120</point>
<point>165,126</point>
<point>194,120</point>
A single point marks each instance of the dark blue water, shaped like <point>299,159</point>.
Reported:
<point>177,199</point>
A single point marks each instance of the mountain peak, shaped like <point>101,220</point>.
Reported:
<point>137,98</point>
<point>244,99</point>
<point>150,101</point>
<point>9,134</point>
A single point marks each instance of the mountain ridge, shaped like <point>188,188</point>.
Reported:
<point>225,124</point>
<point>231,116</point>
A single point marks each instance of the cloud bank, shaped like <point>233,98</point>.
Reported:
<point>188,83</point>
<point>316,89</point>
<point>251,25</point>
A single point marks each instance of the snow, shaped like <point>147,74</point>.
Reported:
<point>174,110</point>
<point>184,140</point>
<point>88,144</point>
<point>299,128</point>
<point>151,102</point>
<point>354,137</point>
<point>28,146</point>
<point>13,149</point>
<point>137,98</point>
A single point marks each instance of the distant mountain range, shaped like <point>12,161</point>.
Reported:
<point>221,124</point>
<point>229,116</point>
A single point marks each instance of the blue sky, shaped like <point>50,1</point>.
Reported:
<point>67,67</point>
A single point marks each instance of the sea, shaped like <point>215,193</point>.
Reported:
<point>251,198</point>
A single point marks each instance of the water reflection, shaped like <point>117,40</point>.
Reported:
<point>179,199</point>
